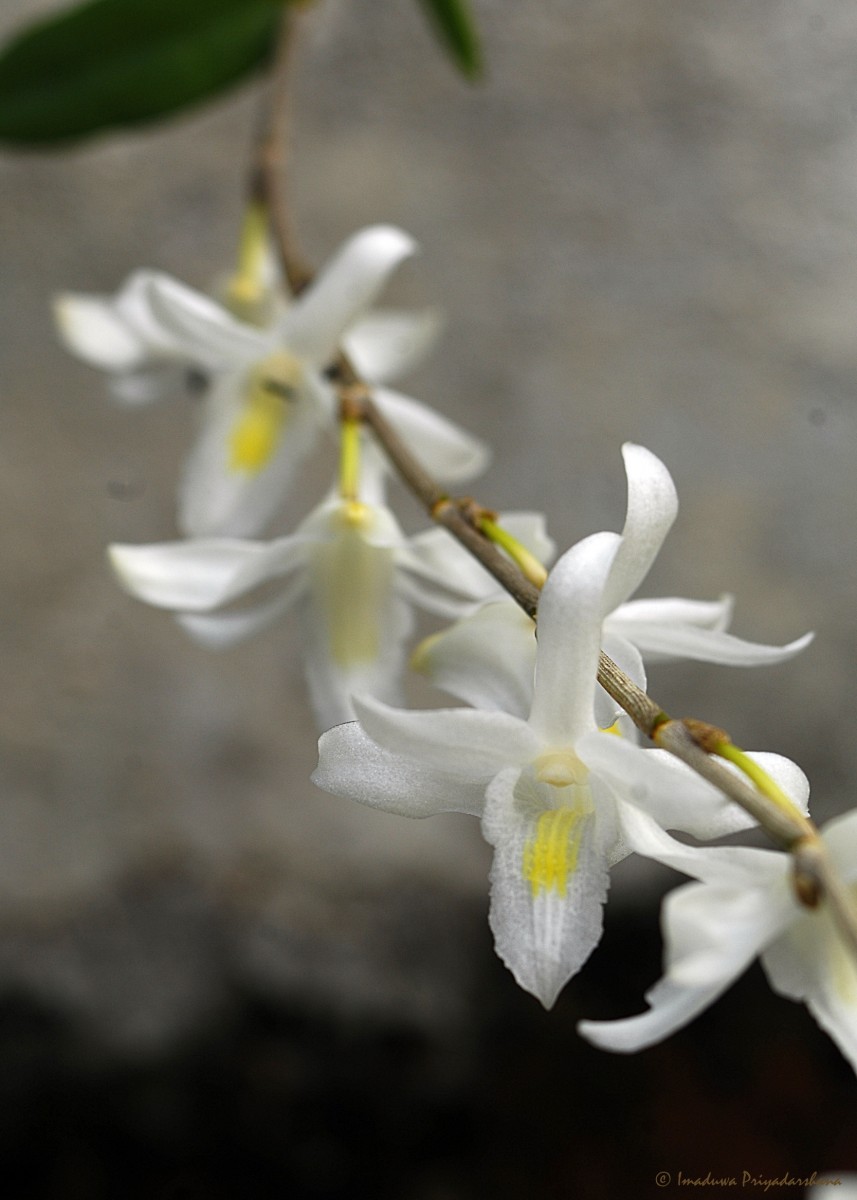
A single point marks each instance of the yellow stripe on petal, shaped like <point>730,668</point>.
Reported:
<point>256,434</point>
<point>550,858</point>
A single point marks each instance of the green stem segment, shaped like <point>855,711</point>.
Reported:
<point>349,458</point>
<point>527,563</point>
<point>762,780</point>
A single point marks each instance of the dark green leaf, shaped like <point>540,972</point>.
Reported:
<point>121,62</point>
<point>455,27</point>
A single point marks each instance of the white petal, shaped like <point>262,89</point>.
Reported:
<point>672,610</point>
<point>91,328</point>
<point>669,640</point>
<point>354,625</point>
<point>384,344</point>
<point>374,472</point>
<point>376,524</point>
<point>332,686</point>
<point>207,333</point>
<point>350,764</point>
<point>569,640</point>
<point>218,498</point>
<point>442,447</point>
<point>134,306</point>
<point>549,881</point>
<point>437,554</point>
<point>652,508</point>
<point>713,931</point>
<point>463,741</point>
<point>487,659</point>
<point>219,631</point>
<point>436,574</point>
<point>712,934</point>
<point>314,326</point>
<point>731,866</point>
<point>811,962</point>
<point>202,575</point>
<point>665,788</point>
<point>671,1007</point>
<point>840,834</point>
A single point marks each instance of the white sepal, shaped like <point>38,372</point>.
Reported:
<point>443,448</point>
<point>352,764</point>
<point>343,290</point>
<point>384,344</point>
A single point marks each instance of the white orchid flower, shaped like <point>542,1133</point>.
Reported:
<point>743,907</point>
<point>552,790</point>
<point>348,569</point>
<point>268,398</point>
<point>464,660</point>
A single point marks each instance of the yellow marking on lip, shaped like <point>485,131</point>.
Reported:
<point>257,432</point>
<point>550,858</point>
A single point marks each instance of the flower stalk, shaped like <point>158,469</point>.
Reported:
<point>267,182</point>
<point>527,563</point>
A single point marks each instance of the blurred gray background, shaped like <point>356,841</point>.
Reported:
<point>642,225</point>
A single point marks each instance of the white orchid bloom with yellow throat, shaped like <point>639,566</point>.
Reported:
<point>268,397</point>
<point>552,789</point>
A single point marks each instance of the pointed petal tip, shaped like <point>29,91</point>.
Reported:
<point>545,987</point>
<point>391,236</point>
<point>90,327</point>
<point>596,1033</point>
<point>120,558</point>
<point>800,643</point>
<point>644,468</point>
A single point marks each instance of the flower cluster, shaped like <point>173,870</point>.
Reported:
<point>535,748</point>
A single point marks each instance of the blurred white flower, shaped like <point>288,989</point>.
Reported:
<point>743,907</point>
<point>348,569</point>
<point>268,397</point>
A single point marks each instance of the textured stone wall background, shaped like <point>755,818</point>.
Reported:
<point>642,225</point>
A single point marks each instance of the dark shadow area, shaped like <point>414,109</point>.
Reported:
<point>286,1099</point>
